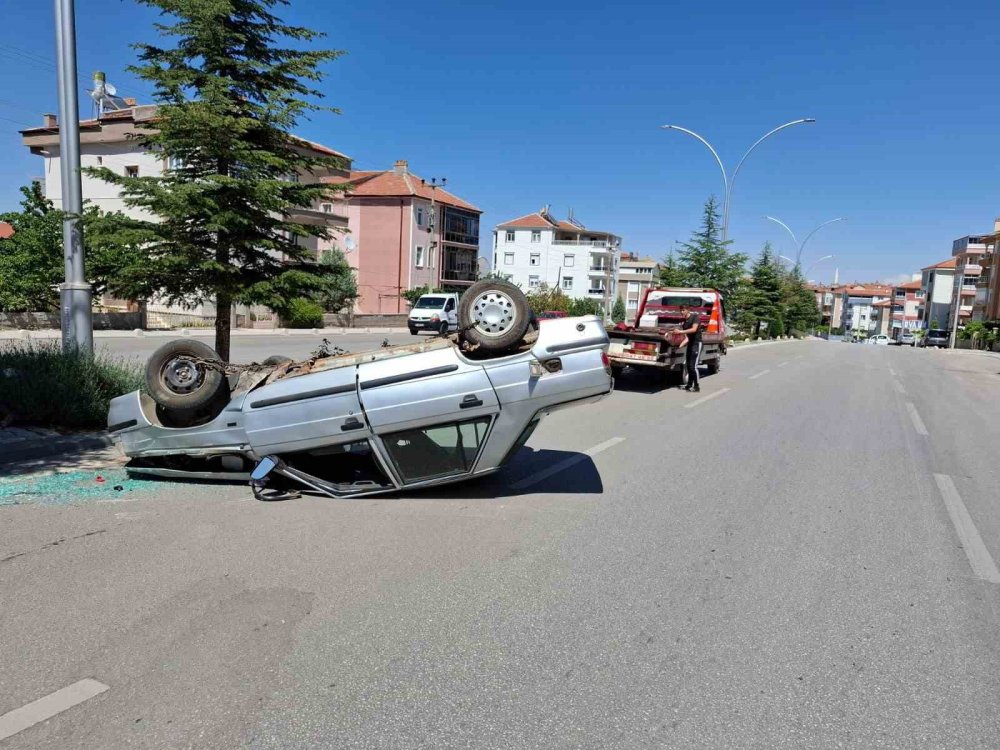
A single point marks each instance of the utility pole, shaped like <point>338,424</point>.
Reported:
<point>958,309</point>
<point>75,293</point>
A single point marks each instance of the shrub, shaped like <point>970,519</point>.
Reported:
<point>304,313</point>
<point>43,386</point>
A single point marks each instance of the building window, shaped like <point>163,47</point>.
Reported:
<point>510,235</point>
<point>132,171</point>
<point>632,304</point>
<point>420,216</point>
<point>533,282</point>
<point>175,162</point>
<point>293,177</point>
<point>535,260</point>
<point>569,261</point>
<point>536,235</point>
<point>419,262</point>
<point>633,286</point>
<point>567,282</point>
<point>508,259</point>
<point>328,208</point>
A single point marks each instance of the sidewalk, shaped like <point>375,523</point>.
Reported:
<point>25,450</point>
<point>43,335</point>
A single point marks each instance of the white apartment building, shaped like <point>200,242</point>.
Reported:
<point>105,142</point>
<point>538,249</point>
<point>968,252</point>
<point>860,314</point>
<point>635,276</point>
<point>937,283</point>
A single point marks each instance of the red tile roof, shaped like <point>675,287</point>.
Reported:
<point>883,303</point>
<point>536,220</point>
<point>911,285</point>
<point>392,184</point>
<point>950,263</point>
<point>6,231</point>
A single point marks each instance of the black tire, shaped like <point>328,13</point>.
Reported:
<point>176,383</point>
<point>494,314</point>
<point>443,330</point>
<point>714,365</point>
<point>277,359</point>
<point>413,331</point>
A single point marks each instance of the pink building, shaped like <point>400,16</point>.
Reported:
<point>405,233</point>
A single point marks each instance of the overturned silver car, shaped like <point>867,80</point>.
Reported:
<point>359,424</point>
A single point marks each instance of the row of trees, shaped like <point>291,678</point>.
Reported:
<point>769,301</point>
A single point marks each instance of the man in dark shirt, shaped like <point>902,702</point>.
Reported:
<point>692,327</point>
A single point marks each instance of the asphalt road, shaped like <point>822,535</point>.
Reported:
<point>798,557</point>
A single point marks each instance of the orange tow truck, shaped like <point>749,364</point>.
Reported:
<point>651,343</point>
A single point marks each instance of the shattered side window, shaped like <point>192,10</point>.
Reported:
<point>438,451</point>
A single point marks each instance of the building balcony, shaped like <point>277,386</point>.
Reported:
<point>596,292</point>
<point>316,217</point>
<point>581,243</point>
<point>458,276</point>
<point>972,269</point>
<point>599,270</point>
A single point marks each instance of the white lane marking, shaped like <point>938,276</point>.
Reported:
<point>782,364</point>
<point>979,557</point>
<point>21,718</point>
<point>918,423</point>
<point>892,372</point>
<point>565,464</point>
<point>760,374</point>
<point>709,397</point>
<point>899,387</point>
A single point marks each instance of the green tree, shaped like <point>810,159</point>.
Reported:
<point>707,261</point>
<point>338,287</point>
<point>618,311</point>
<point>31,261</point>
<point>548,298</point>
<point>671,273</point>
<point>230,91</point>
<point>412,295</point>
<point>585,306</point>
<point>759,298</point>
<point>801,311</point>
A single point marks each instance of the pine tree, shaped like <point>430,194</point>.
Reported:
<point>765,298</point>
<point>671,273</point>
<point>618,311</point>
<point>707,261</point>
<point>229,94</point>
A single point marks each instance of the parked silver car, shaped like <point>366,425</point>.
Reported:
<point>358,424</point>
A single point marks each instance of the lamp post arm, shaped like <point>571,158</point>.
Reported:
<point>825,223</point>
<point>725,177</point>
<point>787,229</point>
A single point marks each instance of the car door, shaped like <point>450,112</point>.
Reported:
<point>451,313</point>
<point>305,412</point>
<point>430,412</point>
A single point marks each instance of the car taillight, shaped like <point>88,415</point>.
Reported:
<point>644,346</point>
<point>606,361</point>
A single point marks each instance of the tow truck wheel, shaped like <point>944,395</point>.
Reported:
<point>178,382</point>
<point>494,314</point>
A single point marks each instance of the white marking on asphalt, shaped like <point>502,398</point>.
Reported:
<point>760,374</point>
<point>899,387</point>
<point>709,397</point>
<point>892,372</point>
<point>565,464</point>
<point>979,557</point>
<point>782,364</point>
<point>918,423</point>
<point>21,718</point>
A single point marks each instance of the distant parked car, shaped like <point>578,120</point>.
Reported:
<point>906,338</point>
<point>880,340</point>
<point>936,337</point>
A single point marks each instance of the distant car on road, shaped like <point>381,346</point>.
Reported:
<point>880,340</point>
<point>906,338</point>
<point>935,337</point>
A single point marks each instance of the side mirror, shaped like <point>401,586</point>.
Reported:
<point>265,467</point>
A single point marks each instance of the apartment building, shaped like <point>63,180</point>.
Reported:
<point>105,142</point>
<point>937,282</point>
<point>538,249</point>
<point>407,233</point>
<point>907,300</point>
<point>968,253</point>
<point>829,302</point>
<point>635,276</point>
<point>987,301</point>
<point>858,301</point>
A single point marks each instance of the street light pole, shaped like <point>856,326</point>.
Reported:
<point>726,178</point>
<point>818,260</point>
<point>801,247</point>
<point>75,293</point>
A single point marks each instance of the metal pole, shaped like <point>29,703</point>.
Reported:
<point>958,309</point>
<point>75,293</point>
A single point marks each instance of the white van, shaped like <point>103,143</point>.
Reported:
<point>434,312</point>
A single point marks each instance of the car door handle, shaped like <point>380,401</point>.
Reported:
<point>470,402</point>
<point>352,424</point>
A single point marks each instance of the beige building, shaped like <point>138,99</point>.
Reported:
<point>635,276</point>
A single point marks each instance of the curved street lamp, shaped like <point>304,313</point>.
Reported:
<point>813,265</point>
<point>727,179</point>
<point>798,255</point>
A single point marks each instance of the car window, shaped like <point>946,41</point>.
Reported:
<point>429,302</point>
<point>450,305</point>
<point>432,452</point>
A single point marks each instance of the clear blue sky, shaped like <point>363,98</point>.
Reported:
<point>524,104</point>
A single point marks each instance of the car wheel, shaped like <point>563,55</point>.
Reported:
<point>177,382</point>
<point>494,314</point>
<point>714,365</point>
<point>413,331</point>
<point>443,330</point>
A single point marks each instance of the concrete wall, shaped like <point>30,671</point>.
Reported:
<point>34,321</point>
<point>341,320</point>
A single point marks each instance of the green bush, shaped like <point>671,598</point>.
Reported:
<point>41,385</point>
<point>304,313</point>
